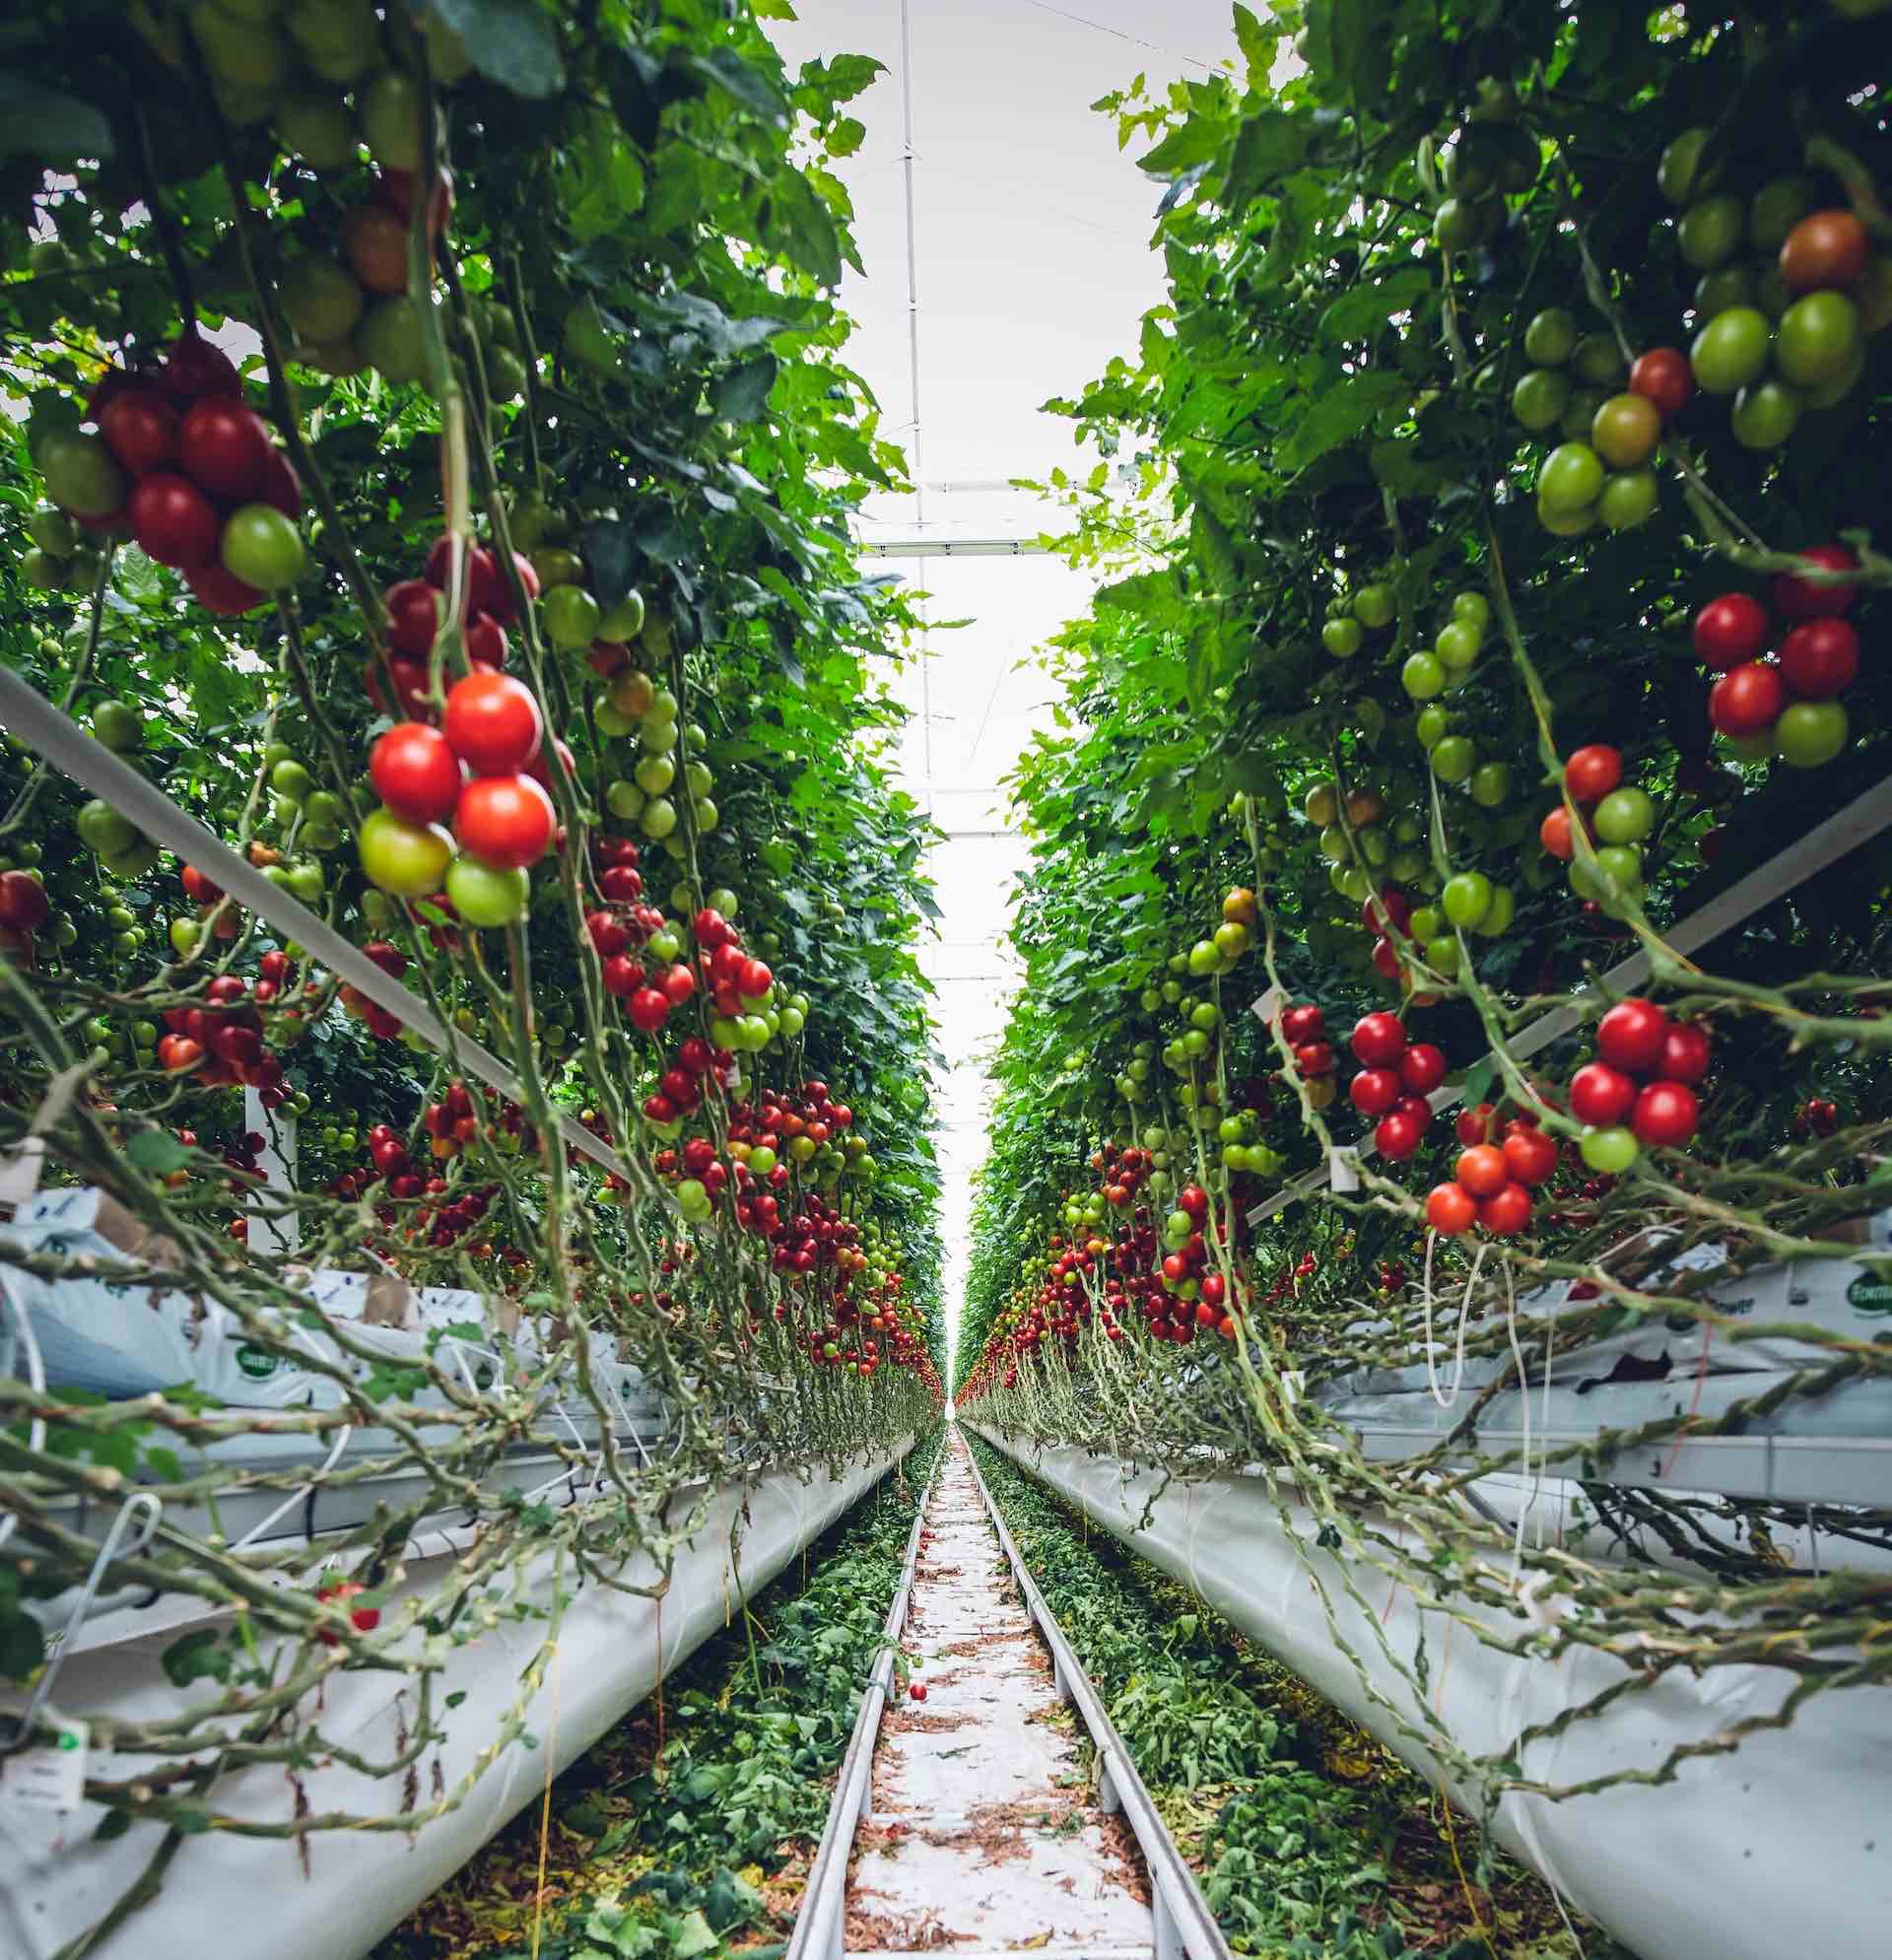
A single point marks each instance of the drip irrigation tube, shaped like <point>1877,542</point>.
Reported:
<point>1780,1848</point>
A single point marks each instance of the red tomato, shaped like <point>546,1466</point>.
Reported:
<point>226,449</point>
<point>757,978</point>
<point>1662,376</point>
<point>1379,1040</point>
<point>1630,1036</point>
<point>1386,959</point>
<point>1819,658</point>
<point>1481,1170</point>
<point>1530,1155</point>
<point>1601,1095</point>
<point>1422,1068</point>
<point>200,891</point>
<point>1374,1091</point>
<point>24,906</point>
<point>174,522</point>
<point>1554,833</point>
<point>1747,699</point>
<point>539,768</point>
<point>1685,1053</point>
<point>414,613</point>
<point>415,772</point>
<point>1505,1211</point>
<point>1665,1115</point>
<point>1314,1058</point>
<point>395,190</point>
<point>140,429</point>
<point>1398,1134</point>
<point>1298,1024</point>
<point>1390,906</point>
<point>492,723</point>
<point>484,588</point>
<point>220,592</point>
<point>1592,772</point>
<point>194,368</point>
<point>504,820</point>
<point>648,1009</point>
<point>1450,1210</point>
<point>282,488</point>
<point>1800,599</point>
<point>486,641</point>
<point>678,985</point>
<point>1474,1124</point>
<point>1731,631</point>
<point>623,976</point>
<point>1825,249</point>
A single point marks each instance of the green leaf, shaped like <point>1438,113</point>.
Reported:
<point>1355,314</point>
<point>1480,1078</point>
<point>1267,148</point>
<point>47,124</point>
<point>196,1656</point>
<point>1195,142</point>
<point>691,1936</point>
<point>156,1151</point>
<point>747,84</point>
<point>510,42</point>
<point>1344,406</point>
<point>741,394</point>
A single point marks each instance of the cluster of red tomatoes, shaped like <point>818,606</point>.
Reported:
<point>1305,1029</point>
<point>1122,1170</point>
<point>1640,1091</point>
<point>477,769</point>
<point>1384,913</point>
<point>1778,694</point>
<point>1492,1181</point>
<point>378,1022</point>
<point>619,928</point>
<point>417,608</point>
<point>190,472</point>
<point>222,1041</point>
<point>1394,1082</point>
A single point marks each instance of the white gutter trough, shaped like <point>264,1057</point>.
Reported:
<point>1783,1846</point>
<point>242,1897</point>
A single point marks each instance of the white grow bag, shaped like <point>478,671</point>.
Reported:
<point>242,1897</point>
<point>1783,1847</point>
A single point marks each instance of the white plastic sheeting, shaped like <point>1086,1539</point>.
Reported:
<point>1780,1849</point>
<point>248,1896</point>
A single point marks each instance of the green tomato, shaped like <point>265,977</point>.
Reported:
<point>487,894</point>
<point>1765,415</point>
<point>1681,176</point>
<point>1624,816</point>
<point>1810,733</point>
<point>1472,606</point>
<point>1571,480</point>
<point>320,299</point>
<point>1342,638</point>
<point>1466,899</point>
<point>119,727</point>
<point>1610,1152</point>
<point>1196,1044</point>
<point>1567,523</point>
<point>323,807</point>
<point>571,617</point>
<point>610,723</point>
<point>1406,866</point>
<point>1711,231</point>
<point>1429,726</point>
<point>1726,287</point>
<point>305,881</point>
<point>81,475</point>
<point>655,775</point>
<point>1621,867</point>
<point>1498,913</point>
<point>1490,784</point>
<point>1459,645</point>
<point>1539,399</point>
<point>1600,362</point>
<point>1453,759</point>
<point>53,531</point>
<point>1730,351</point>
<point>1427,922</point>
<point>406,860</point>
<point>1776,207</point>
<point>1629,499</point>
<point>624,799</point>
<point>1463,224</point>
<point>184,936</point>
<point>393,338</point>
<point>393,114</point>
<point>317,129</point>
<point>42,572</point>
<point>624,621</point>
<point>657,733</point>
<point>291,780</point>
<point>1819,338</point>
<point>1374,606</point>
<point>1579,415</point>
<point>1351,882</point>
<point>660,818</point>
<point>1204,958</point>
<point>1441,954</point>
<point>1423,675</point>
<point>103,831</point>
<point>263,548</point>
<point>1551,337</point>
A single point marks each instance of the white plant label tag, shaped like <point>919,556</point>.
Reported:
<point>1269,1006</point>
<point>1343,1173</point>
<point>51,1777</point>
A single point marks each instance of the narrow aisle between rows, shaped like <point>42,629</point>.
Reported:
<point>982,1832</point>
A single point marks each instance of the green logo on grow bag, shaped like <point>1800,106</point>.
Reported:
<point>1871,1295</point>
<point>257,1362</point>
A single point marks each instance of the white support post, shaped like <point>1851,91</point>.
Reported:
<point>1169,1935</point>
<point>268,1232</point>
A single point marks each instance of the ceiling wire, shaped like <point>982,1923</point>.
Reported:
<point>1105,28</point>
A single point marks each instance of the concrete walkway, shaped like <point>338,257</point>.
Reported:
<point>982,1835</point>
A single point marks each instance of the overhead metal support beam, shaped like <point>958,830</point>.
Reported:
<point>957,548</point>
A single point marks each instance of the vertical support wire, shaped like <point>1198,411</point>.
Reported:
<point>907,160</point>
